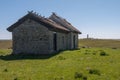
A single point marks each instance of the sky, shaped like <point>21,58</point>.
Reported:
<point>98,18</point>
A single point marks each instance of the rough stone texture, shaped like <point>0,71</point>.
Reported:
<point>33,38</point>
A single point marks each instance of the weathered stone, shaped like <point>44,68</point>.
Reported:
<point>32,37</point>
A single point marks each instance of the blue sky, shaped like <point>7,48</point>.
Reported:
<point>98,18</point>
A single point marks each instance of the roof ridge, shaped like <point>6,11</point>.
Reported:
<point>63,22</point>
<point>36,17</point>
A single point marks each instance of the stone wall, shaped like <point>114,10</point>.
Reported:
<point>61,43</point>
<point>72,44</point>
<point>64,41</point>
<point>31,37</point>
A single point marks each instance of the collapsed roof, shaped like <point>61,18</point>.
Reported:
<point>54,22</point>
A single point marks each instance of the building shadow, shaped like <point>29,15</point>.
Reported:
<point>27,56</point>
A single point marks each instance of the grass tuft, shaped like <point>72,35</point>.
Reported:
<point>94,71</point>
<point>5,70</point>
<point>114,48</point>
<point>87,51</point>
<point>78,75</point>
<point>103,53</point>
<point>61,58</point>
<point>84,78</point>
<point>16,78</point>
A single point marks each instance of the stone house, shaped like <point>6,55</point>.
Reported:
<point>34,34</point>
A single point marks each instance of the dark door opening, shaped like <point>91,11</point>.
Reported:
<point>74,42</point>
<point>55,41</point>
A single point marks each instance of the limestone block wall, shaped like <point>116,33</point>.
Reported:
<point>31,37</point>
<point>61,41</point>
<point>72,40</point>
<point>64,41</point>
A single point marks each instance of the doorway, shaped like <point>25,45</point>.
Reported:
<point>55,41</point>
<point>74,42</point>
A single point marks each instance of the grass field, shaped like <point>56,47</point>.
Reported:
<point>5,44</point>
<point>94,62</point>
<point>101,43</point>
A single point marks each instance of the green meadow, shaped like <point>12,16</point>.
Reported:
<point>94,60</point>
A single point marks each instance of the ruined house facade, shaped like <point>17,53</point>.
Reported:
<point>34,34</point>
